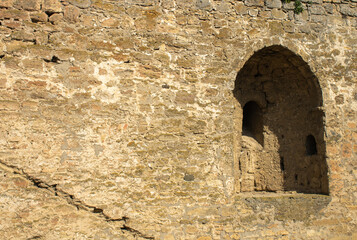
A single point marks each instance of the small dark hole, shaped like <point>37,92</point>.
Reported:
<point>165,86</point>
<point>35,237</point>
<point>49,13</point>
<point>97,210</point>
<point>55,59</point>
<point>296,177</point>
<point>34,20</point>
<point>252,125</point>
<point>310,145</point>
<point>258,75</point>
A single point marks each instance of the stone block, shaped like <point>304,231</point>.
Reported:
<point>186,62</point>
<point>240,8</point>
<point>247,184</point>
<point>11,24</point>
<point>289,27</point>
<point>52,6</point>
<point>204,4</point>
<point>278,14</point>
<point>223,7</point>
<point>9,105</point>
<point>185,97</point>
<point>81,3</point>
<point>289,5</point>
<point>23,35</point>
<point>110,22</point>
<point>346,9</point>
<point>32,5</point>
<point>21,182</point>
<point>6,3</point>
<point>265,14</point>
<point>273,3</point>
<point>14,14</point>
<point>71,14</point>
<point>253,12</point>
<point>224,33</point>
<point>38,17</point>
<point>319,19</point>
<point>55,18</point>
<point>3,82</point>
<point>30,105</point>
<point>346,150</point>
<point>17,45</point>
<point>317,10</point>
<point>255,3</point>
<point>33,64</point>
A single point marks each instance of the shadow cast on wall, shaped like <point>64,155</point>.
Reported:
<point>282,130</point>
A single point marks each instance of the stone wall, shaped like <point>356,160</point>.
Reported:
<point>120,119</point>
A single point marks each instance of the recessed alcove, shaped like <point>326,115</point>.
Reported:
<point>253,122</point>
<point>281,134</point>
<point>310,145</point>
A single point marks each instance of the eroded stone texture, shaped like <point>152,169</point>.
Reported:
<point>129,108</point>
<point>290,101</point>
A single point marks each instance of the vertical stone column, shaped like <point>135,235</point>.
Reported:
<point>249,157</point>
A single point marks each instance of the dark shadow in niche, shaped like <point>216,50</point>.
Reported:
<point>280,99</point>
<point>253,121</point>
<point>310,145</point>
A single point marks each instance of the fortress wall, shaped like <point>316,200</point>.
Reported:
<point>121,115</point>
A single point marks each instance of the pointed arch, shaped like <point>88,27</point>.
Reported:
<point>290,101</point>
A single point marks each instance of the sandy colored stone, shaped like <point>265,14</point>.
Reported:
<point>6,3</point>
<point>71,14</point>
<point>129,119</point>
<point>55,18</point>
<point>28,5</point>
<point>39,17</point>
<point>52,6</point>
<point>81,3</point>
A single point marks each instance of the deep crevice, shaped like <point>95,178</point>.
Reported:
<point>54,59</point>
<point>35,237</point>
<point>49,13</point>
<point>136,233</point>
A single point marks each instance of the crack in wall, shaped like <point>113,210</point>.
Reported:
<point>136,233</point>
<point>72,200</point>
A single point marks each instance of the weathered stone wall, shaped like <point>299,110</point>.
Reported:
<point>119,120</point>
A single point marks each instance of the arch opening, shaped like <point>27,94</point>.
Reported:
<point>280,100</point>
<point>252,121</point>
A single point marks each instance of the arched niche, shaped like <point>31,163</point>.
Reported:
<point>279,100</point>
<point>252,125</point>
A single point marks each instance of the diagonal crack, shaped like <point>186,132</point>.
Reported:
<point>136,233</point>
<point>72,200</point>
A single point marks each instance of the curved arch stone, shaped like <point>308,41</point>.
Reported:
<point>291,99</point>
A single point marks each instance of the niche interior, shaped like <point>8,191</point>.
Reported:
<point>281,129</point>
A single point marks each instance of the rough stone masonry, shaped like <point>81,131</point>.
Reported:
<point>178,119</point>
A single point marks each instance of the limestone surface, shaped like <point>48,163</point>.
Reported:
<point>178,119</point>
